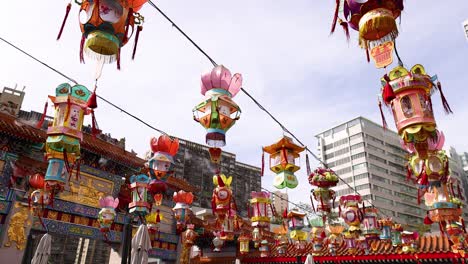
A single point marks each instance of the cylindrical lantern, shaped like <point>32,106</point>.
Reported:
<point>56,175</point>
<point>396,235</point>
<point>182,209</point>
<point>317,237</point>
<point>107,214</point>
<point>283,162</point>
<point>386,225</point>
<point>244,244</point>
<point>260,203</point>
<point>163,150</point>
<point>369,223</point>
<point>351,213</point>
<point>139,188</point>
<point>295,219</point>
<point>264,249</point>
<point>218,112</point>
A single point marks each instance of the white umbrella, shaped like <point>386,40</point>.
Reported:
<point>141,243</point>
<point>41,256</point>
<point>238,261</point>
<point>309,259</point>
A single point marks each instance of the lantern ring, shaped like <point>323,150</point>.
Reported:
<point>105,26</point>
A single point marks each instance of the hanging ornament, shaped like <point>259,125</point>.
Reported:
<point>397,230</point>
<point>264,249</point>
<point>283,155</point>
<point>182,209</point>
<point>386,224</point>
<point>370,225</point>
<point>36,181</point>
<point>218,243</point>
<point>139,189</point>
<point>376,22</point>
<point>295,225</point>
<point>107,214</point>
<point>325,197</point>
<point>351,213</point>
<point>259,205</point>
<point>163,151</point>
<point>335,238</point>
<point>64,135</point>
<point>218,112</point>
<point>409,241</point>
<point>222,197</point>
<point>157,189</point>
<point>457,236</point>
<point>244,244</point>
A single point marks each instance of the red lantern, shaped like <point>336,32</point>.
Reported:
<point>37,181</point>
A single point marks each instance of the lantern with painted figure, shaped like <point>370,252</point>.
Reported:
<point>163,151</point>
<point>215,155</point>
<point>244,244</point>
<point>218,112</point>
<point>64,135</point>
<point>182,209</point>
<point>370,225</point>
<point>107,213</point>
<point>283,162</point>
<point>260,203</point>
<point>222,197</point>
<point>106,26</point>
<point>386,224</point>
<point>351,213</point>
<point>375,21</point>
<point>408,94</point>
<point>139,189</point>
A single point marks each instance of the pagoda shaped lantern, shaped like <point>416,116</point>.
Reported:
<point>283,156</point>
<point>162,159</point>
<point>64,135</point>
<point>218,112</point>
<point>139,189</point>
<point>182,209</point>
<point>295,225</point>
<point>260,203</point>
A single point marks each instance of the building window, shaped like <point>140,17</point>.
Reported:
<point>382,189</point>
<point>387,212</point>
<point>380,179</point>
<point>340,142</point>
<point>339,128</point>
<point>378,168</point>
<point>383,200</point>
<point>348,179</point>
<point>360,166</point>
<point>374,148</point>
<point>405,197</point>
<point>361,176</point>
<point>329,146</point>
<point>343,171</point>
<point>354,122</point>
<point>329,156</point>
<point>359,155</point>
<point>374,139</point>
<point>356,136</point>
<point>362,187</point>
<point>358,145</point>
<point>396,166</point>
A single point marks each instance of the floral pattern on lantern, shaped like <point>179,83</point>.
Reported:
<point>218,112</point>
<point>283,163</point>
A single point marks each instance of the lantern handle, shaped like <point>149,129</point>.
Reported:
<point>78,2</point>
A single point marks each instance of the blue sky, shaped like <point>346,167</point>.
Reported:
<point>311,81</point>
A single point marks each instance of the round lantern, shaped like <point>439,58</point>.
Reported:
<point>283,162</point>
<point>36,181</point>
<point>107,214</point>
<point>40,198</point>
<point>218,112</point>
<point>351,213</point>
<point>158,188</point>
<point>163,149</point>
<point>260,203</point>
<point>182,209</point>
<point>139,190</point>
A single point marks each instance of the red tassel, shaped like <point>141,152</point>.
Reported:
<point>345,27</point>
<point>441,227</point>
<point>382,116</point>
<point>387,94</point>
<point>263,163</point>
<point>158,217</point>
<point>118,60</point>
<point>92,101</point>
<point>41,121</point>
<point>367,55</point>
<point>427,220</point>
<point>67,11</point>
<point>447,108</point>
<point>452,192</point>
<point>463,224</point>
<point>127,24</point>
<point>94,128</point>
<point>139,29</point>
<point>83,38</point>
<point>335,16</point>
<point>308,165</point>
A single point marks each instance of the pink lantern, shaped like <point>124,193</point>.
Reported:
<point>260,203</point>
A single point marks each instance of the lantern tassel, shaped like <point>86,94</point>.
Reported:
<point>382,116</point>
<point>447,108</point>
<point>427,220</point>
<point>345,27</point>
<point>67,11</point>
<point>263,163</point>
<point>335,16</point>
<point>308,165</point>
<point>388,94</point>
<point>452,192</point>
<point>94,128</point>
<point>139,29</point>
<point>83,38</point>
<point>408,172</point>
<point>92,101</point>
<point>367,55</point>
<point>130,18</point>
<point>41,121</point>
<point>118,60</point>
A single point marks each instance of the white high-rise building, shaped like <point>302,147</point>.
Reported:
<point>372,161</point>
<point>280,201</point>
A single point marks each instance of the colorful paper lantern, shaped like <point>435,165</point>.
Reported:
<point>163,151</point>
<point>215,155</point>
<point>409,241</point>
<point>370,225</point>
<point>283,155</point>
<point>36,181</point>
<point>39,199</point>
<point>375,21</point>
<point>350,239</point>
<point>317,237</point>
<point>264,249</point>
<point>335,237</point>
<point>182,209</point>
<point>139,189</point>
<point>351,213</point>
<point>244,244</point>
<point>386,224</point>
<point>456,234</point>
<point>218,112</point>
<point>260,203</point>
<point>189,236</point>
<point>295,226</point>
<point>107,213</point>
<point>218,243</point>
<point>282,242</point>
<point>153,221</point>
<point>158,189</point>
<point>397,229</point>
<point>221,201</point>
<point>256,236</point>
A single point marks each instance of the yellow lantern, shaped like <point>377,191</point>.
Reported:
<point>244,244</point>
